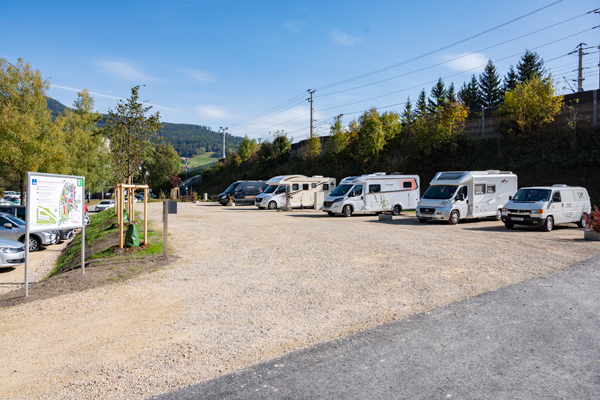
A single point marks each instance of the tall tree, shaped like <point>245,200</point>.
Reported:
<point>246,148</point>
<point>132,135</point>
<point>438,97</point>
<point>165,163</point>
<point>529,66</point>
<point>421,103</point>
<point>338,138</point>
<point>489,85</point>
<point>451,93</point>
<point>371,135</point>
<point>408,114</point>
<point>510,80</point>
<point>470,94</point>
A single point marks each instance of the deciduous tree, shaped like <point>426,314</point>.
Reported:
<point>165,163</point>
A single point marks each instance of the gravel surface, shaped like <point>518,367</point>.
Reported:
<point>253,285</point>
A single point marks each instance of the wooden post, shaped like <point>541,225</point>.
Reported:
<point>146,215</point>
<point>120,214</point>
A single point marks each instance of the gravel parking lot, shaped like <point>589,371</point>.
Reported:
<point>252,285</point>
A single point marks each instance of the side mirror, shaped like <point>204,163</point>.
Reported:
<point>8,226</point>
<point>351,194</point>
<point>510,197</point>
<point>460,197</point>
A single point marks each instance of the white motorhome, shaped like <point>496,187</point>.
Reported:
<point>303,191</point>
<point>546,206</point>
<point>374,193</point>
<point>455,195</point>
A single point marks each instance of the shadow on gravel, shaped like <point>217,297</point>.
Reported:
<point>517,228</point>
<point>4,270</point>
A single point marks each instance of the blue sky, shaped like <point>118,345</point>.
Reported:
<point>221,63</point>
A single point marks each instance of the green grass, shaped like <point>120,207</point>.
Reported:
<point>197,161</point>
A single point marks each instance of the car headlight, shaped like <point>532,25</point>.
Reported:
<point>338,199</point>
<point>445,202</point>
<point>9,250</point>
<point>540,211</point>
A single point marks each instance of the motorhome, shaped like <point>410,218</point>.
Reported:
<point>545,206</point>
<point>456,195</point>
<point>295,191</point>
<point>242,192</point>
<point>374,193</point>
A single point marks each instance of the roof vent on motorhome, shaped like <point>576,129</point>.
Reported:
<point>379,173</point>
<point>317,176</point>
<point>493,171</point>
<point>560,185</point>
<point>396,173</point>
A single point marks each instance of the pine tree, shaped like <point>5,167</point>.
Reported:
<point>422,103</point>
<point>438,97</point>
<point>510,80</point>
<point>451,93</point>
<point>470,94</point>
<point>529,66</point>
<point>489,84</point>
<point>407,114</point>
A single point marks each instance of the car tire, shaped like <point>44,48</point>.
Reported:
<point>34,242</point>
<point>498,216</point>
<point>423,220</point>
<point>582,223</point>
<point>347,211</point>
<point>454,217</point>
<point>331,214</point>
<point>549,224</point>
<point>397,209</point>
<point>509,226</point>
<point>272,205</point>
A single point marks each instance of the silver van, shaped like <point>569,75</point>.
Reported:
<point>546,206</point>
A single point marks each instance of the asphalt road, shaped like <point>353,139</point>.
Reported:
<point>538,339</point>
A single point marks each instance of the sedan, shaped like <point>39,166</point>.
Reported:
<point>105,205</point>
<point>14,228</point>
<point>11,252</point>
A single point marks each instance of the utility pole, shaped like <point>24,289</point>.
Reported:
<point>311,111</point>
<point>223,133</point>
<point>580,73</point>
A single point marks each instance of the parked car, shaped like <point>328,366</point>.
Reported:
<point>14,228</point>
<point>545,206</point>
<point>12,252</point>
<point>139,197</point>
<point>242,192</point>
<point>105,205</point>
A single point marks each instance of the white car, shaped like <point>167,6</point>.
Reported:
<point>105,205</point>
<point>12,252</point>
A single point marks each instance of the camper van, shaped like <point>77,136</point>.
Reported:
<point>374,193</point>
<point>546,206</point>
<point>242,192</point>
<point>301,190</point>
<point>456,195</point>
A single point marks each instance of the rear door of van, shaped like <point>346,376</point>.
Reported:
<point>570,206</point>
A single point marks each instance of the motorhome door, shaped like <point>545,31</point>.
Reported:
<point>463,205</point>
<point>357,199</point>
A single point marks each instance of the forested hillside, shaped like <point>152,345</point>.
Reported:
<point>187,139</point>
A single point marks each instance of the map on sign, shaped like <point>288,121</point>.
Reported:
<point>56,201</point>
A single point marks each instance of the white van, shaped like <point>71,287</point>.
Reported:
<point>374,193</point>
<point>546,206</point>
<point>455,195</point>
<point>303,191</point>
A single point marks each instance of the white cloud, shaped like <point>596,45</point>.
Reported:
<point>124,70</point>
<point>472,62</point>
<point>211,112</point>
<point>294,26</point>
<point>340,37</point>
<point>198,74</point>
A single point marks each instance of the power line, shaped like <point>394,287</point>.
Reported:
<point>243,122</point>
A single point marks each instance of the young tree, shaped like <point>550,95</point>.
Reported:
<point>438,97</point>
<point>510,80</point>
<point>421,103</point>
<point>132,135</point>
<point>338,138</point>
<point>489,84</point>
<point>165,163</point>
<point>530,106</point>
<point>529,66</point>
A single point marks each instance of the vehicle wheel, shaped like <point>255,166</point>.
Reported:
<point>397,209</point>
<point>34,242</point>
<point>549,225</point>
<point>272,205</point>
<point>331,214</point>
<point>454,216</point>
<point>347,211</point>
<point>509,226</point>
<point>582,223</point>
<point>498,215</point>
<point>422,220</point>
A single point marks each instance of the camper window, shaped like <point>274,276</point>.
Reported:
<point>491,189</point>
<point>295,186</point>
<point>479,188</point>
<point>374,188</point>
<point>325,186</point>
<point>313,185</point>
<point>305,186</point>
<point>407,184</point>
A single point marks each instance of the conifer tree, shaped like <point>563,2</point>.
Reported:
<point>407,114</point>
<point>422,103</point>
<point>489,85</point>
<point>451,93</point>
<point>438,97</point>
<point>470,94</point>
<point>529,66</point>
<point>510,80</point>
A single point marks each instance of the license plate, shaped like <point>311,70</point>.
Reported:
<point>427,215</point>
<point>516,218</point>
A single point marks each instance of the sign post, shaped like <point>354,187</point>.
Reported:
<point>54,202</point>
<point>169,207</point>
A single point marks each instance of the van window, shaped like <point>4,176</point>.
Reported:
<point>358,190</point>
<point>305,186</point>
<point>556,197</point>
<point>479,188</point>
<point>313,185</point>
<point>407,184</point>
<point>295,186</point>
<point>491,189</point>
<point>238,188</point>
<point>374,188</point>
<point>250,190</point>
<point>567,195</point>
<point>325,186</point>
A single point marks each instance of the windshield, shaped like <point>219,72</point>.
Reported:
<point>270,189</point>
<point>105,202</point>
<point>440,192</point>
<point>341,190</point>
<point>532,195</point>
<point>14,220</point>
<point>231,187</point>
